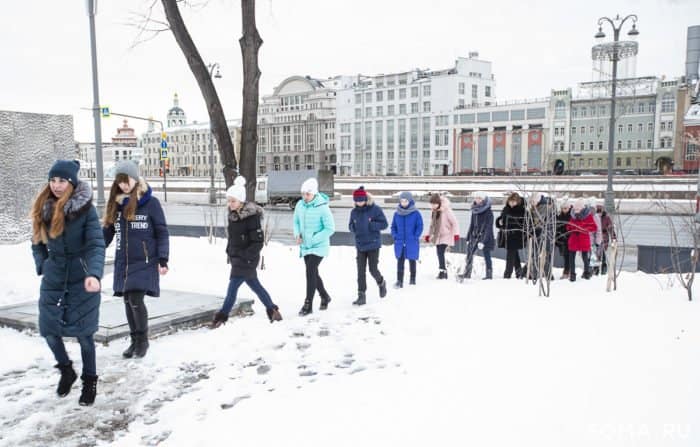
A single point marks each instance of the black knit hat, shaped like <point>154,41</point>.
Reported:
<point>67,169</point>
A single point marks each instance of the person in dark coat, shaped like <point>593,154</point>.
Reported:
<point>245,242</point>
<point>366,223</point>
<point>580,227</point>
<point>69,253</point>
<point>540,228</point>
<point>480,234</point>
<point>511,222</point>
<point>562,237</point>
<point>406,230</point>
<point>135,219</point>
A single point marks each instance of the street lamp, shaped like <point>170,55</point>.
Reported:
<point>614,51</point>
<point>212,190</point>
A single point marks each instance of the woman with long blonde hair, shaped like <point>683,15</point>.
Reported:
<point>69,253</point>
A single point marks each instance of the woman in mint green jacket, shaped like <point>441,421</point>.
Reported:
<point>313,227</point>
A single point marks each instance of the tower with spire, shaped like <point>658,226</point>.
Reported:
<point>176,116</point>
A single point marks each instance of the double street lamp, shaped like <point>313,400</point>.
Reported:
<point>212,190</point>
<point>614,51</point>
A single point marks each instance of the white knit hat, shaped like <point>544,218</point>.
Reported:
<point>237,190</point>
<point>310,186</point>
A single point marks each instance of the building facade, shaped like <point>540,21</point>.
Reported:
<point>297,123</point>
<point>124,146</point>
<point>399,123</point>
<point>190,146</point>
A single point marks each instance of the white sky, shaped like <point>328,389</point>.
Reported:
<point>534,45</point>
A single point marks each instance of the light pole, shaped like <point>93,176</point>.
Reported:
<point>212,190</point>
<point>614,51</point>
<point>92,11</point>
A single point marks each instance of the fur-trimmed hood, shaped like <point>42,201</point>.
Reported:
<point>248,209</point>
<point>370,200</point>
<point>79,201</point>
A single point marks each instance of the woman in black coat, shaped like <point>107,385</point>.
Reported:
<point>511,222</point>
<point>562,237</point>
<point>136,220</point>
<point>69,252</point>
<point>245,241</point>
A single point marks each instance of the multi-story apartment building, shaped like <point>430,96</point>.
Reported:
<point>190,146</point>
<point>297,123</point>
<point>399,123</point>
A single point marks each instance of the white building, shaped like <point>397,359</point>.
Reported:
<point>399,123</point>
<point>296,125</point>
<point>189,146</point>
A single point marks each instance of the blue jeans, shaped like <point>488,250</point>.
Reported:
<point>254,284</point>
<point>87,351</point>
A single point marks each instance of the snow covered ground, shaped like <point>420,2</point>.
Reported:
<point>485,363</point>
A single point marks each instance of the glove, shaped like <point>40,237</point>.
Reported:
<point>456,238</point>
<point>427,238</point>
<point>480,245</point>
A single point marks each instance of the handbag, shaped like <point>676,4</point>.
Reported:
<point>501,239</point>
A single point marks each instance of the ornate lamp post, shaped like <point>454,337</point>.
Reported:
<point>212,189</point>
<point>614,51</point>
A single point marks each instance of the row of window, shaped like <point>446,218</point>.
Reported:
<point>664,143</point>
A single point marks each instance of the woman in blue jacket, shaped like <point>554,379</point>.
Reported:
<point>135,218</point>
<point>366,223</point>
<point>69,252</point>
<point>406,229</point>
<point>313,227</point>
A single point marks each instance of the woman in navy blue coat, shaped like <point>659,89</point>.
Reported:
<point>367,220</point>
<point>135,219</point>
<point>406,229</point>
<point>69,252</point>
<point>480,234</point>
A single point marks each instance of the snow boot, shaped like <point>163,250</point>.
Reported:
<point>87,395</point>
<point>129,352</point>
<point>273,314</point>
<point>324,302</point>
<point>219,319</point>
<point>141,345</point>
<point>361,299</point>
<point>489,274</point>
<point>306,308</point>
<point>398,285</point>
<point>68,378</point>
<point>586,275</point>
<point>564,275</point>
<point>442,274</point>
<point>572,276</point>
<point>596,270</point>
<point>382,289</point>
<point>604,269</point>
<point>412,281</point>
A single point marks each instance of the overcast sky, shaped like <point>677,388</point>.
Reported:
<point>534,45</point>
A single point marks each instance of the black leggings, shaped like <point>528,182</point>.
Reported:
<point>400,266</point>
<point>363,258</point>
<point>512,262</point>
<point>313,279</point>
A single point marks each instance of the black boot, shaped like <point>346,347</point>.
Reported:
<point>68,378</point>
<point>130,350</point>
<point>219,319</point>
<point>324,302</point>
<point>596,270</point>
<point>572,276</point>
<point>442,274</point>
<point>398,284</point>
<point>273,314</point>
<point>586,274</point>
<point>412,281</point>
<point>604,269</point>
<point>382,289</point>
<point>361,299</point>
<point>489,274</point>
<point>87,395</point>
<point>141,345</point>
<point>306,308</point>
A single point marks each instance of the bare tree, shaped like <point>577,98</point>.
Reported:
<point>206,86</point>
<point>250,43</point>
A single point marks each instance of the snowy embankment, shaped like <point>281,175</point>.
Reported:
<point>485,363</point>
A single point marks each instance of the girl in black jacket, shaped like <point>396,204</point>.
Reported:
<point>245,241</point>
<point>511,222</point>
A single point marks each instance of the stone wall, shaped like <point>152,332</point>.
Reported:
<point>29,144</point>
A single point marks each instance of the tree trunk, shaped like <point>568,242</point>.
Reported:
<point>206,85</point>
<point>250,44</point>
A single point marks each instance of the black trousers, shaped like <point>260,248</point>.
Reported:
<point>313,279</point>
<point>136,312</point>
<point>441,255</point>
<point>400,267</point>
<point>564,252</point>
<point>585,255</point>
<point>363,258</point>
<point>512,262</point>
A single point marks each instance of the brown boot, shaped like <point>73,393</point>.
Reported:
<point>219,319</point>
<point>274,314</point>
<point>565,275</point>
